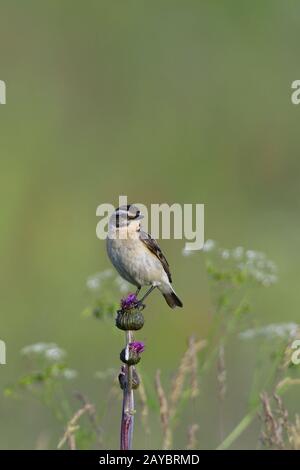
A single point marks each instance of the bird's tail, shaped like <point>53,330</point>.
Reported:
<point>172,299</point>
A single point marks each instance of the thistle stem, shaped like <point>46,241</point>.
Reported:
<point>127,421</point>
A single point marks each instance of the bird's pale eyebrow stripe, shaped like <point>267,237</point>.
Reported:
<point>134,216</point>
<point>123,211</point>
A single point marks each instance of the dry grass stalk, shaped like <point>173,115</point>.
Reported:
<point>286,382</point>
<point>168,408</point>
<point>72,427</point>
<point>221,376</point>
<point>221,379</point>
<point>192,437</point>
<point>272,435</point>
<point>92,416</point>
<point>194,367</point>
<point>164,413</point>
<point>188,364</point>
<point>279,432</point>
<point>294,434</point>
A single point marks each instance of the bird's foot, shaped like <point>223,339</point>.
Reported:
<point>139,305</point>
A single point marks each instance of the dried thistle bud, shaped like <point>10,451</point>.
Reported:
<point>129,317</point>
<point>122,378</point>
<point>132,353</point>
<point>135,379</point>
<point>129,320</point>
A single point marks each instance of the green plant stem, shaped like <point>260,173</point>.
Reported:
<point>239,429</point>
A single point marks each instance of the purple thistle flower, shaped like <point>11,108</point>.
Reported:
<point>137,346</point>
<point>128,302</point>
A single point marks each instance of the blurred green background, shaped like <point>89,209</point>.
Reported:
<point>168,101</point>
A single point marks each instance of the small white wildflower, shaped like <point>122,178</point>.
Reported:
<point>258,275</point>
<point>238,252</point>
<point>273,278</point>
<point>105,374</point>
<point>186,252</point>
<point>248,334</point>
<point>70,374</point>
<point>36,348</point>
<point>261,264</point>
<point>225,254</point>
<point>280,330</point>
<point>209,245</point>
<point>94,282</point>
<point>54,353</point>
<point>269,280</point>
<point>251,255</point>
<point>271,266</point>
<point>122,284</point>
<point>46,349</point>
<point>106,274</point>
<point>265,282</point>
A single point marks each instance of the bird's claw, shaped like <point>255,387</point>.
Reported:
<point>139,305</point>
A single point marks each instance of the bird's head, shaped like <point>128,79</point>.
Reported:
<point>126,219</point>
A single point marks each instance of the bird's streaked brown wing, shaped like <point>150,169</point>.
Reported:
<point>152,246</point>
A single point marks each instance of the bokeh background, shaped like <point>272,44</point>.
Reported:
<point>168,101</point>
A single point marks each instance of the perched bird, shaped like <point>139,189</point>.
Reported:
<point>136,256</point>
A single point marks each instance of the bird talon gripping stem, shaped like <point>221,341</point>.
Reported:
<point>139,305</point>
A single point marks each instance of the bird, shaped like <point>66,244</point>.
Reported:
<point>137,256</point>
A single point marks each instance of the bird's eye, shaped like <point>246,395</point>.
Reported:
<point>135,216</point>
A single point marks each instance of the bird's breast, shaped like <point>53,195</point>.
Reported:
<point>135,262</point>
